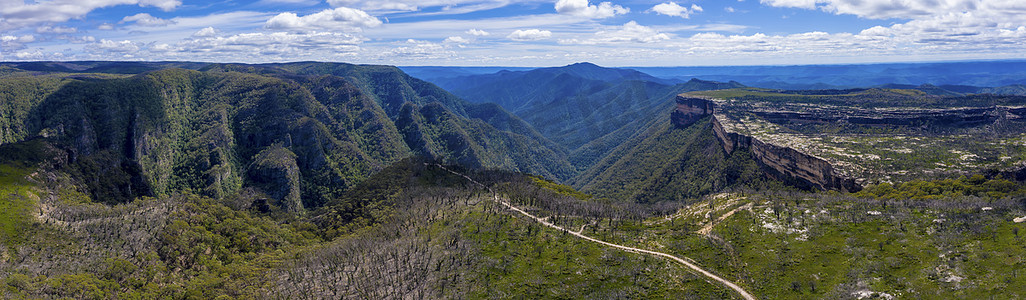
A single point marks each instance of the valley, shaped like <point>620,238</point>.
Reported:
<point>309,180</point>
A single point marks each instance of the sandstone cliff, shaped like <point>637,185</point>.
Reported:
<point>786,164</point>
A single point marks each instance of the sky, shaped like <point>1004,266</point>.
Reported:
<point>527,33</point>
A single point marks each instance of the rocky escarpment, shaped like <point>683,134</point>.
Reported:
<point>784,163</point>
<point>691,109</point>
<point>787,164</point>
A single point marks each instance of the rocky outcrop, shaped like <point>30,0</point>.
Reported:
<point>690,109</point>
<point>784,163</point>
<point>275,171</point>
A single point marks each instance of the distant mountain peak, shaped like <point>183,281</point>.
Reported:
<point>584,64</point>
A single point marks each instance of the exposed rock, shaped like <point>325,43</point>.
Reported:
<point>274,170</point>
<point>785,163</point>
<point>690,109</point>
<point>867,294</point>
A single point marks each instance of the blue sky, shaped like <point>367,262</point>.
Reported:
<point>515,32</point>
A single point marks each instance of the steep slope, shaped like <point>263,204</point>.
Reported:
<point>588,154</point>
<point>575,106</point>
<point>390,88</point>
<point>667,163</point>
<point>277,129</point>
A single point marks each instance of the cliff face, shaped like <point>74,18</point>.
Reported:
<point>690,109</point>
<point>784,163</point>
<point>787,164</point>
<point>274,170</point>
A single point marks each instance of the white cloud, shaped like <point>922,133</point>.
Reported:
<point>289,2</point>
<point>905,9</point>
<point>419,49</point>
<point>581,8</point>
<point>205,32</point>
<point>342,18</point>
<point>105,26</point>
<point>145,19</point>
<point>529,35</point>
<point>106,45</point>
<point>163,48</point>
<point>244,47</point>
<point>56,29</point>
<point>275,42</point>
<point>457,40</point>
<point>476,32</point>
<point>498,26</point>
<point>165,5</point>
<point>631,32</point>
<point>11,42</point>
<point>729,9</point>
<point>80,39</point>
<point>26,55</point>
<point>934,26</point>
<point>19,39</point>
<point>377,4</point>
<point>19,14</point>
<point>806,4</point>
<point>675,10</point>
<point>447,6</point>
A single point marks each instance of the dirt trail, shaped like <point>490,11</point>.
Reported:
<point>708,228</point>
<point>744,294</point>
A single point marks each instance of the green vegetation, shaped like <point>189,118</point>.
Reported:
<point>799,245</point>
<point>296,180</point>
<point>201,250</point>
<point>977,186</point>
<point>442,236</point>
<point>577,104</point>
<point>19,95</point>
<point>171,130</point>
<point>17,197</point>
<point>665,163</point>
<point>559,188</point>
<point>832,248</point>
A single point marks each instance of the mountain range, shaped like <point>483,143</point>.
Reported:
<point>184,180</point>
<point>997,76</point>
<point>299,131</point>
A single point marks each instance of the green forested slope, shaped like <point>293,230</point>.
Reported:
<point>666,163</point>
<point>174,130</point>
<point>586,109</point>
